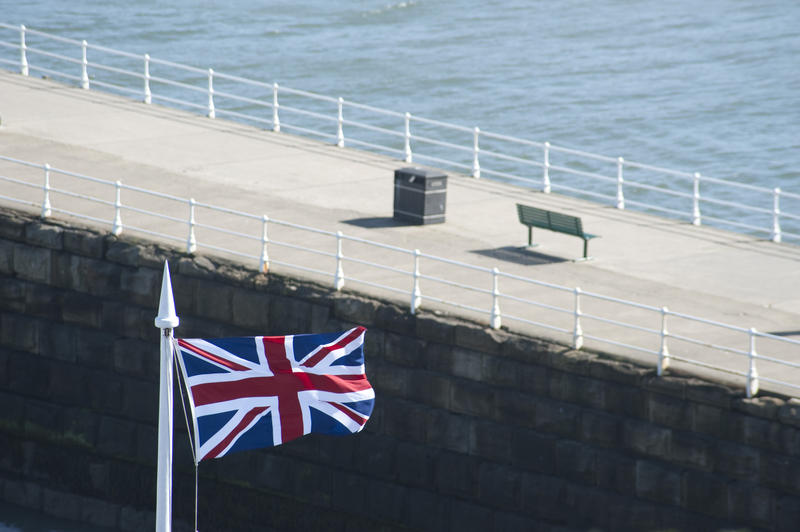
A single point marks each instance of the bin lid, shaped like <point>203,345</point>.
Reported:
<point>416,171</point>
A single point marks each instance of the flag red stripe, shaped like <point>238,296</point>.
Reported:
<point>214,358</point>
<point>243,424</point>
<point>358,418</point>
<point>324,350</point>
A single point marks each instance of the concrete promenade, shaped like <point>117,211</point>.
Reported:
<point>705,272</point>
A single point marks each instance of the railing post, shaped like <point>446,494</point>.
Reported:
<point>276,122</point>
<point>84,66</point>
<point>409,156</point>
<point>495,317</point>
<point>212,113</point>
<point>620,182</point>
<point>264,264</point>
<point>577,335</point>
<point>23,47</point>
<point>476,165</point>
<point>191,242</point>
<point>776,214</point>
<point>416,294</point>
<point>546,169</point>
<point>148,96</point>
<point>340,120</point>
<point>338,280</point>
<point>46,209</point>
<point>752,373</point>
<point>663,354</point>
<point>696,199</point>
<point>116,229</point>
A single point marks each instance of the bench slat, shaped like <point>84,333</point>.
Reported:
<point>554,221</point>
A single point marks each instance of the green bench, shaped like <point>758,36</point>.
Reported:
<point>554,221</point>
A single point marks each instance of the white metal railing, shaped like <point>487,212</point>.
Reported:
<point>572,313</point>
<point>770,212</point>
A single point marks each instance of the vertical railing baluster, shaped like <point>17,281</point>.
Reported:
<point>264,264</point>
<point>496,320</point>
<point>776,214</point>
<point>116,229</point>
<point>752,372</point>
<point>663,353</point>
<point>212,112</point>
<point>620,182</point>
<point>276,122</point>
<point>148,96</point>
<point>338,280</point>
<point>476,165</point>
<point>84,66</point>
<point>577,334</point>
<point>546,169</point>
<point>407,148</point>
<point>340,121</point>
<point>46,208</point>
<point>696,199</point>
<point>23,48</point>
<point>416,293</point>
<point>191,242</point>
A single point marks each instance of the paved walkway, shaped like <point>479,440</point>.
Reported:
<point>721,276</point>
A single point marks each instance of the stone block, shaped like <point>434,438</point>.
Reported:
<point>392,318</point>
<point>469,516</point>
<point>669,411</point>
<point>141,286</point>
<point>557,418</point>
<point>710,420</point>
<point>121,251</point>
<point>787,514</point>
<point>456,474</point>
<point>423,511</point>
<point>96,347</point>
<point>533,451</point>
<point>789,413</point>
<point>44,301</point>
<point>391,380</point>
<point>434,328</point>
<point>84,242</point>
<point>479,338</point>
<point>133,519</point>
<point>736,460</point>
<point>760,406</point>
<point>354,309</point>
<point>665,384</point>
<point>646,438</point>
<point>543,496</point>
<point>20,332</point>
<point>6,257</point>
<point>471,398</point>
<point>514,407</point>
<point>12,225</point>
<point>99,278</point>
<point>60,504</point>
<point>250,308</point>
<point>790,441</point>
<point>82,309</point>
<point>32,263</point>
<point>79,425</point>
<point>689,449</point>
<point>27,376</point>
<point>415,463</point>
<point>129,356</point>
<point>600,428</point>
<point>98,512</point>
<point>576,461</point>
<point>25,493</point>
<point>430,389</point>
<point>384,501</point>
<point>404,350</point>
<point>214,301</point>
<point>13,295</point>
<point>706,493</point>
<point>105,391</point>
<point>448,431</point>
<point>751,504</point>
<point>403,420</point>
<point>116,437</point>
<point>658,483</point>
<point>511,522</point>
<point>780,472</point>
<point>13,412</point>
<point>528,350</point>
<point>455,361</point>
<point>499,486</point>
<point>42,234</point>
<point>616,472</point>
<point>754,431</point>
<point>68,383</point>
<point>576,389</point>
<point>500,371</point>
<point>617,371</point>
<point>140,400</point>
<point>490,440</point>
<point>710,393</point>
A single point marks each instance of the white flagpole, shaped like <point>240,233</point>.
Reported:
<point>166,320</point>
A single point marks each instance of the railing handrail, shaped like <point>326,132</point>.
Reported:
<point>771,227</point>
<point>414,273</point>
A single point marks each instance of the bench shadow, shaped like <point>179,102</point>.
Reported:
<point>377,222</point>
<point>522,255</point>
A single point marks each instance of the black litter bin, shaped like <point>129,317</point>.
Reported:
<point>419,195</point>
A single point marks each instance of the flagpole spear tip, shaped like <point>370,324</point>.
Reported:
<point>166,319</point>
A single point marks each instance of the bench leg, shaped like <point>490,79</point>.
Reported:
<point>585,248</point>
<point>530,236</point>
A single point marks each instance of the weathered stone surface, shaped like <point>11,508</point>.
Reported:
<point>557,418</point>
<point>533,451</point>
<point>751,504</point>
<point>710,393</point>
<point>491,441</point>
<point>478,338</point>
<point>600,428</point>
<point>44,235</point>
<point>12,295</point>
<point>761,406</point>
<point>657,483</point>
<point>84,242</point>
<point>404,350</point>
<point>706,493</point>
<point>141,286</point>
<point>647,439</point>
<point>456,474</point>
<point>471,398</point>
<point>789,413</point>
<point>691,450</point>
<point>499,486</point>
<point>12,225</point>
<point>32,263</point>
<point>122,251</point>
<point>448,431</point>
<point>355,309</point>
<point>669,411</point>
<point>616,472</point>
<point>6,257</point>
<point>576,461</point>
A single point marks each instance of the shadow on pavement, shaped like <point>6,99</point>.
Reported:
<point>519,255</point>
<point>377,222</point>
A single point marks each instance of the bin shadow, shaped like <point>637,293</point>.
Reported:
<point>378,222</point>
<point>519,255</point>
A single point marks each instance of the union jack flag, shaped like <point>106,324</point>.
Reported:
<point>262,391</point>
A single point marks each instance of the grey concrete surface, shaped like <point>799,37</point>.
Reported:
<point>702,271</point>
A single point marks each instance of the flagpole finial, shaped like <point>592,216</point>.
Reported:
<point>166,319</point>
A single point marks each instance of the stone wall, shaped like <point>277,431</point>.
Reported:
<point>473,429</point>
